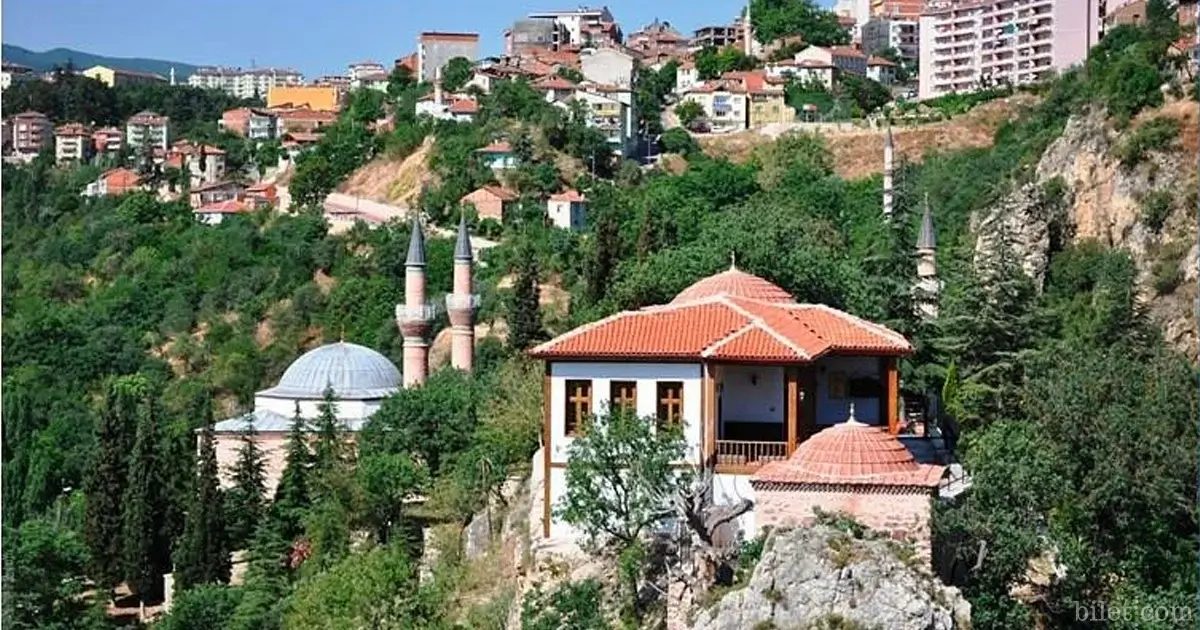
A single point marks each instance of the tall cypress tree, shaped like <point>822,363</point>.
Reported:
<point>203,553</point>
<point>524,318</point>
<point>246,502</point>
<point>329,450</point>
<point>147,550</point>
<point>105,484</point>
<point>605,256</point>
<point>292,494</point>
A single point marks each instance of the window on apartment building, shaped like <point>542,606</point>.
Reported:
<point>579,405</point>
<point>623,395</point>
<point>670,403</point>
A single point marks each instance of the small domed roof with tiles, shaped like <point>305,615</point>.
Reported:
<point>851,453</point>
<point>734,283</point>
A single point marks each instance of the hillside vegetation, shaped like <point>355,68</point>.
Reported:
<point>124,320</point>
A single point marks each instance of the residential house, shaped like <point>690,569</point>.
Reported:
<point>567,209</point>
<point>117,181</point>
<point>261,195</point>
<point>802,70</point>
<point>340,84</point>
<point>582,27</point>
<point>658,39</point>
<point>763,389</point>
<point>491,202</point>
<point>205,164</point>
<point>408,62</point>
<point>245,83</point>
<point>498,155</point>
<point>610,109</point>
<point>117,77</point>
<point>31,132</point>
<point>686,76</point>
<point>319,98</point>
<point>766,101</point>
<point>901,35</point>
<point>215,213</point>
<point>535,33</point>
<point>250,122</point>
<point>555,88</point>
<point>361,69</point>
<point>302,119</point>
<point>463,110</point>
<point>718,36</point>
<point>881,70</point>
<point>11,73</point>
<point>608,66</point>
<point>723,102</point>
<point>72,143</point>
<point>435,50</point>
<point>848,59</point>
<point>108,140</point>
<point>147,127</point>
<point>216,192</point>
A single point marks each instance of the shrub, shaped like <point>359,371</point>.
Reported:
<point>1156,207</point>
<point>678,140</point>
<point>1156,134</point>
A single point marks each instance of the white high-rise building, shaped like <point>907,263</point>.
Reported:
<point>250,83</point>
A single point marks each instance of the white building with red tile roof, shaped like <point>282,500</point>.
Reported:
<point>749,373</point>
<point>567,209</point>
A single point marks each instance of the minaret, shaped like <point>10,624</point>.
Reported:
<point>888,157</point>
<point>415,314</point>
<point>461,304</point>
<point>928,286</point>
<point>172,75</point>
<point>437,86</point>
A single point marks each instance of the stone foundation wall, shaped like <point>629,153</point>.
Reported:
<point>901,513</point>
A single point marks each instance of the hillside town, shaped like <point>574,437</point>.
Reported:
<point>874,315</point>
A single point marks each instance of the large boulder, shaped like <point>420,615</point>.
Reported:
<point>823,577</point>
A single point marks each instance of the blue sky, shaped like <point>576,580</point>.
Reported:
<point>314,36</point>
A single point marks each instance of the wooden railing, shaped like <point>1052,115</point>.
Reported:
<point>742,455</point>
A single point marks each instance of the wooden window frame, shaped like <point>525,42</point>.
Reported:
<point>576,409</point>
<point>617,398</point>
<point>663,404</point>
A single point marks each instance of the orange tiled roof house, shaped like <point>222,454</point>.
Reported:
<point>795,405</point>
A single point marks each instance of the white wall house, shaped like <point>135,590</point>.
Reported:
<point>567,210</point>
<point>747,372</point>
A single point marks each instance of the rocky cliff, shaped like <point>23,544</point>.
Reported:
<point>1085,186</point>
<point>822,577</point>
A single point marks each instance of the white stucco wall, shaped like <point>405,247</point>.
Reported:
<point>647,375</point>
<point>752,394</point>
<point>731,489</point>
<point>833,411</point>
<point>346,409</point>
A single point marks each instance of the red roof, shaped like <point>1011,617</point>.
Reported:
<point>121,178</point>
<point>553,82</point>
<point>500,146</point>
<point>847,51</point>
<point>732,316</point>
<point>851,453</point>
<point>231,206</point>
<point>464,106</point>
<point>71,129</point>
<point>505,194</point>
<point>568,195</point>
<point>875,60</point>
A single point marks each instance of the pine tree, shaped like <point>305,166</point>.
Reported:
<point>605,256</point>
<point>648,237</point>
<point>329,449</point>
<point>203,553</point>
<point>524,318</point>
<point>147,550</point>
<point>292,493</point>
<point>104,486</point>
<point>246,501</point>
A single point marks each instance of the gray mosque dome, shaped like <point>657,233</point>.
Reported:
<point>355,372</point>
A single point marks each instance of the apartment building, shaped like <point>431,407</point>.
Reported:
<point>608,66</point>
<point>966,46</point>
<point>315,97</point>
<point>360,69</point>
<point>250,122</point>
<point>245,83</point>
<point>72,143</point>
<point>205,164</point>
<point>610,110</point>
<point>901,34</point>
<point>31,132</point>
<point>898,9</point>
<point>585,26</point>
<point>530,34</point>
<point>717,36</point>
<point>108,140</point>
<point>147,128</point>
<point>435,50</point>
<point>116,77</point>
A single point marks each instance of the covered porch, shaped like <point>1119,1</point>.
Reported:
<point>757,413</point>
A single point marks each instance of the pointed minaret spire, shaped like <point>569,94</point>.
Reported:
<point>748,31</point>
<point>415,314</point>
<point>927,286</point>
<point>462,303</point>
<point>888,156</point>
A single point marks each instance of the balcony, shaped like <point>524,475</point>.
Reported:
<point>745,457</point>
<point>415,313</point>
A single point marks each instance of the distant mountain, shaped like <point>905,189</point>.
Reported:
<point>43,61</point>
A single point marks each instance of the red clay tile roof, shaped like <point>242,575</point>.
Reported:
<point>875,60</point>
<point>121,178</point>
<point>500,146</point>
<point>231,206</point>
<point>730,316</point>
<point>464,106</point>
<point>71,129</point>
<point>553,82</point>
<point>734,283</point>
<point>504,194</point>
<point>847,51</point>
<point>568,195</point>
<point>851,453</point>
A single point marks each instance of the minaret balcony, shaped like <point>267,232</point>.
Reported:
<point>462,302</point>
<point>416,312</point>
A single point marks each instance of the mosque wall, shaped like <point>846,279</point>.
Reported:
<point>346,409</point>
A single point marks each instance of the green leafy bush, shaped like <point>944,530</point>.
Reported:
<point>1156,207</point>
<point>1156,134</point>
